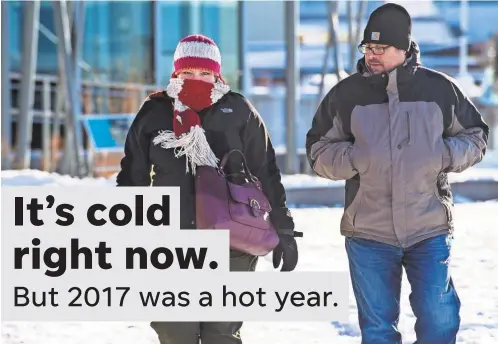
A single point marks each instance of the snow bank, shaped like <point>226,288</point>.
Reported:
<point>42,178</point>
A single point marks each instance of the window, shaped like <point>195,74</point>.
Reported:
<point>47,62</point>
<point>171,26</point>
<point>118,41</point>
<point>220,21</point>
<point>16,11</point>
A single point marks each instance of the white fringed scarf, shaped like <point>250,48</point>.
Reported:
<point>188,137</point>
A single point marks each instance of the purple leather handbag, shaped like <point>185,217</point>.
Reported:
<point>242,208</point>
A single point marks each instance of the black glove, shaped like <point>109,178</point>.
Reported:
<point>286,250</point>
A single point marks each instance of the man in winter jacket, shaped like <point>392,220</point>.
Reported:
<point>393,131</point>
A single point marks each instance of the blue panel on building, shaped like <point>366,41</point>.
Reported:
<point>107,131</point>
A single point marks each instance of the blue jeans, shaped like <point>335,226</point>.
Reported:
<point>376,272</point>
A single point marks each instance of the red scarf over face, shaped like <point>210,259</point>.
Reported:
<point>188,137</point>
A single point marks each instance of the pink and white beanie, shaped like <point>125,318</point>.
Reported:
<point>197,52</point>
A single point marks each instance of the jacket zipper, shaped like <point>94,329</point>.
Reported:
<point>409,128</point>
<point>391,151</point>
<point>408,140</point>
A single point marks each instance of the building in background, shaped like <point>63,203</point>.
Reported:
<point>128,48</point>
<point>132,41</point>
<point>127,52</point>
<point>435,27</point>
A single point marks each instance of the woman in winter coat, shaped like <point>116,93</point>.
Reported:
<point>213,120</point>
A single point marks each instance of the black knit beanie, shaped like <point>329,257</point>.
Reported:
<point>389,24</point>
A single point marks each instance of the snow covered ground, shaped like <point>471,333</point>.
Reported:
<point>474,267</point>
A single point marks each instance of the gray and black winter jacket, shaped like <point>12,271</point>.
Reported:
<point>394,137</point>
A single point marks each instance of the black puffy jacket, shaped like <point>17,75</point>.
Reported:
<point>229,124</point>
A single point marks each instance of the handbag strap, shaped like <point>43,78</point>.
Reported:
<point>244,163</point>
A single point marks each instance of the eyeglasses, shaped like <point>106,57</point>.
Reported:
<point>375,50</point>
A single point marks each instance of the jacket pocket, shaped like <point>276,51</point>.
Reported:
<point>352,209</point>
<point>446,161</point>
<point>446,206</point>
<point>443,157</point>
<point>357,208</point>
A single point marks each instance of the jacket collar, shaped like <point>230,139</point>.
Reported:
<point>401,74</point>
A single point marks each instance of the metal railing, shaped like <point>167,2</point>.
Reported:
<point>97,97</point>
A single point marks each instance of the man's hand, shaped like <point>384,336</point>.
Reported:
<point>286,250</point>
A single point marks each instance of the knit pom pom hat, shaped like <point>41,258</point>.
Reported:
<point>197,52</point>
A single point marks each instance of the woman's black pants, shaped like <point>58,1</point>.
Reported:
<point>207,332</point>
